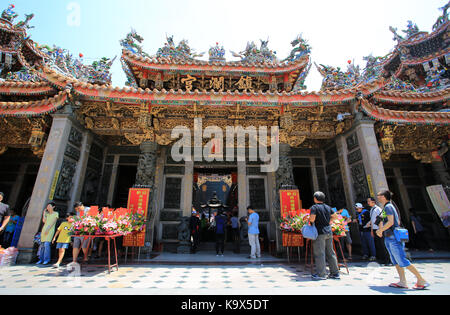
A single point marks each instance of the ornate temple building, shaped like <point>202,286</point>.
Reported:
<point>67,134</point>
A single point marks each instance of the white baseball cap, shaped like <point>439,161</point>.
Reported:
<point>358,205</point>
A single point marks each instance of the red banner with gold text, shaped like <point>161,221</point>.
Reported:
<point>137,203</point>
<point>291,205</point>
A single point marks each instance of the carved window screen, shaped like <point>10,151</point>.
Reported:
<point>172,193</point>
<point>257,193</point>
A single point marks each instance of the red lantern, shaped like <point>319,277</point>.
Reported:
<point>81,55</point>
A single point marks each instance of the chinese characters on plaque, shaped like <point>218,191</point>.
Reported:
<point>290,205</point>
<point>137,203</point>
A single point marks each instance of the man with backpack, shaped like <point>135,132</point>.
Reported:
<point>321,216</point>
<point>365,228</point>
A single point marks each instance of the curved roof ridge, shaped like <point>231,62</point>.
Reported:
<point>404,117</point>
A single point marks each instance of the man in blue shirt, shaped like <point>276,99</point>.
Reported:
<point>221,221</point>
<point>253,233</point>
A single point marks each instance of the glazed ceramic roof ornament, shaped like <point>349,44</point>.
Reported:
<point>9,14</point>
<point>252,54</point>
<point>217,54</point>
<point>182,52</point>
<point>301,48</point>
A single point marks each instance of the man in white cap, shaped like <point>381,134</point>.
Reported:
<point>367,242</point>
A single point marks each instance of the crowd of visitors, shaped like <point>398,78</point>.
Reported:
<point>377,227</point>
<point>383,223</point>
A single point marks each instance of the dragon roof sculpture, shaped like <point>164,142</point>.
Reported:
<point>443,18</point>
<point>132,43</point>
<point>301,48</point>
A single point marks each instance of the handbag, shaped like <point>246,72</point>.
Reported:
<point>401,234</point>
<point>310,232</point>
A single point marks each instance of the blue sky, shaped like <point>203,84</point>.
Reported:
<point>337,30</point>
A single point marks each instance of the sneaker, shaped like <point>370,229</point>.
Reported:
<point>250,257</point>
<point>372,258</point>
<point>334,276</point>
<point>46,262</point>
<point>55,266</point>
<point>39,262</point>
<point>365,257</point>
<point>317,277</point>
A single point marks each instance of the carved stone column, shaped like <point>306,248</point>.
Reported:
<point>242,188</point>
<point>145,177</point>
<point>80,172</point>
<point>285,172</point>
<point>342,150</point>
<point>371,156</point>
<point>147,165</point>
<point>188,188</point>
<point>113,180</point>
<point>284,179</point>
<point>45,184</point>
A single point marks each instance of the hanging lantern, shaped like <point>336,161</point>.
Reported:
<point>37,137</point>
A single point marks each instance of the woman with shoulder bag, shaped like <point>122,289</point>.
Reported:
<point>395,247</point>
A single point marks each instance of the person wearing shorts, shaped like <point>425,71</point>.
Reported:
<point>80,242</point>
<point>394,247</point>
<point>63,234</point>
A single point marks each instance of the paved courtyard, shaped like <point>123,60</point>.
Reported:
<point>267,278</point>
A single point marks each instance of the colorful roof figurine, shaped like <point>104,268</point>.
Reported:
<point>9,14</point>
<point>217,54</point>
<point>336,79</point>
<point>252,54</point>
<point>63,62</point>
<point>182,52</point>
<point>25,74</point>
<point>399,85</point>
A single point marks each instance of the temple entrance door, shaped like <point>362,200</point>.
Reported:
<point>303,180</point>
<point>213,190</point>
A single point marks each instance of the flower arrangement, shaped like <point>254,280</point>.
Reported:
<point>294,222</point>
<point>123,224</point>
<point>338,226</point>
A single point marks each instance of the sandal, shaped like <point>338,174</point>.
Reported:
<point>421,287</point>
<point>398,286</point>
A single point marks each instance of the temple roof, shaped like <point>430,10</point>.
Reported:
<point>50,76</point>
